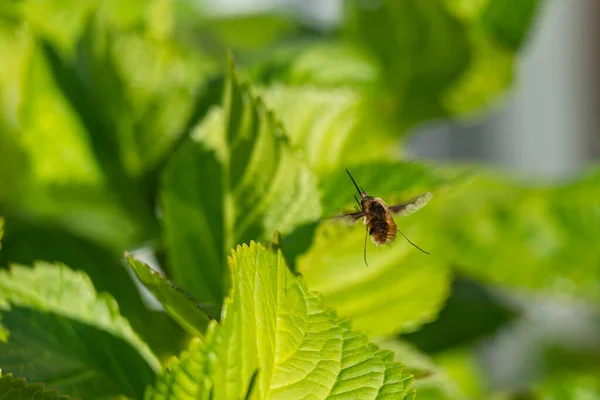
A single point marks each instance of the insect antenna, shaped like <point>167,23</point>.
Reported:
<point>412,242</point>
<point>360,192</point>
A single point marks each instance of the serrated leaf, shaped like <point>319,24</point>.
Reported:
<point>237,179</point>
<point>181,306</point>
<point>430,381</point>
<point>401,288</point>
<point>273,324</point>
<point>18,389</point>
<point>65,334</point>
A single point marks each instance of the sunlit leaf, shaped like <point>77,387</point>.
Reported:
<point>330,125</point>
<point>401,288</point>
<point>62,331</point>
<point>272,324</point>
<point>237,179</point>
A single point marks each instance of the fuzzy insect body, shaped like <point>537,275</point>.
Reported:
<point>379,220</point>
<point>378,217</point>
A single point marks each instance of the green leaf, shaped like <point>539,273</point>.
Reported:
<point>181,306</point>
<point>331,125</point>
<point>237,179</point>
<point>65,334</point>
<point>51,123</point>
<point>401,288</point>
<point>324,64</point>
<point>570,386</point>
<point>19,389</point>
<point>246,33</point>
<point>508,21</point>
<point>272,324</point>
<point>430,381</point>
<point>496,31</point>
<point>505,233</point>
<point>26,242</point>
<point>146,89</point>
<point>442,57</point>
<point>420,47</point>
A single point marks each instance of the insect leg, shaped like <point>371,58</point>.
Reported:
<point>365,246</point>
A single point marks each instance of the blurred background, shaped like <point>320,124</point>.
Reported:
<point>545,127</point>
<point>535,120</point>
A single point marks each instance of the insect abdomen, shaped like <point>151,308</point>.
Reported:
<point>381,231</point>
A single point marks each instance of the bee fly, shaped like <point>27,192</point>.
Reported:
<point>378,216</point>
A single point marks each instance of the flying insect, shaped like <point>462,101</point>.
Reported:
<point>378,216</point>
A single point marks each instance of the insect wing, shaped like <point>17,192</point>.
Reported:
<point>412,206</point>
<point>350,216</point>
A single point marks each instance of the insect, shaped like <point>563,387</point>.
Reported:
<point>378,216</point>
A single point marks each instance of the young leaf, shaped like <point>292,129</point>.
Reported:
<point>63,333</point>
<point>272,324</point>
<point>181,306</point>
<point>18,388</point>
<point>237,179</point>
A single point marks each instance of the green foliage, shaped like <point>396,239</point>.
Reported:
<point>237,179</point>
<point>335,267</point>
<point>570,387</point>
<point>18,388</point>
<point>27,242</point>
<point>122,126</point>
<point>330,126</point>
<point>181,306</point>
<point>65,334</point>
<point>272,324</point>
<point>441,58</point>
<point>520,236</point>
